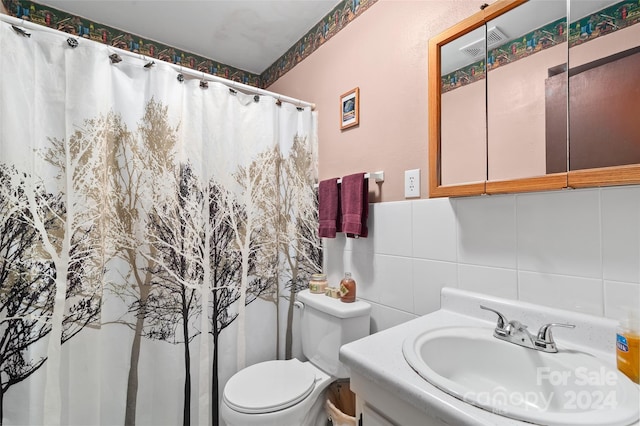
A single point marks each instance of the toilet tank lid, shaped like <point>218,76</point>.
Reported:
<point>334,307</point>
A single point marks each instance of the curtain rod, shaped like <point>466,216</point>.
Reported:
<point>179,68</point>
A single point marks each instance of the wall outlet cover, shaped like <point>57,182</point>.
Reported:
<point>412,183</point>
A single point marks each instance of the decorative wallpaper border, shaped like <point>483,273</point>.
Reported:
<point>603,22</point>
<point>537,40</point>
<point>345,12</point>
<point>72,24</point>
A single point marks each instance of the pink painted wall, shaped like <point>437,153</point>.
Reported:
<point>384,52</point>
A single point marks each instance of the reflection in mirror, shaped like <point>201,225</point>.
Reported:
<point>527,45</point>
<point>604,84</point>
<point>463,110</point>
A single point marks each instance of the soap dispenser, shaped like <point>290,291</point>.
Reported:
<point>348,288</point>
<point>628,347</point>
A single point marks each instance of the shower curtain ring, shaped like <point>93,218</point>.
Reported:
<point>115,58</point>
<point>20,30</point>
<point>204,83</point>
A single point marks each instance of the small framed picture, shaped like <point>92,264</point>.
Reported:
<point>350,109</point>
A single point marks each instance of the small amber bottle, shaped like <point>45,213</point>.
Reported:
<point>347,288</point>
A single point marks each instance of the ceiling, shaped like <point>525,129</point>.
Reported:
<point>246,34</point>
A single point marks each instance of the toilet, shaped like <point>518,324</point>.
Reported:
<point>292,392</point>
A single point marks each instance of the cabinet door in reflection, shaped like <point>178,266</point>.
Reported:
<point>604,84</point>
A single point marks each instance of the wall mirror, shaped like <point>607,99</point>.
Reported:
<point>513,100</point>
<point>463,124</point>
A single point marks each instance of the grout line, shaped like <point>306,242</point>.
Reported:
<point>515,214</point>
<point>454,208</point>
<point>601,244</point>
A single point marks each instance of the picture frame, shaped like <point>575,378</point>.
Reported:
<point>350,108</point>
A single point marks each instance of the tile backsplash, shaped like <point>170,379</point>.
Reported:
<point>572,249</point>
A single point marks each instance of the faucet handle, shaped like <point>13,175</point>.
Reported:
<point>545,338</point>
<point>502,321</point>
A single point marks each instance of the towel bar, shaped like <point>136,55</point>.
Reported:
<point>377,176</point>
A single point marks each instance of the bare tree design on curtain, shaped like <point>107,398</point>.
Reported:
<point>225,267</point>
<point>141,166</point>
<point>297,251</point>
<point>226,263</point>
<point>248,221</point>
<point>160,232</point>
<point>52,257</point>
<point>272,216</point>
<point>300,246</point>
<point>27,286</point>
<point>120,197</point>
<point>177,233</point>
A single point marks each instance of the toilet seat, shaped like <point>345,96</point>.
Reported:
<point>269,386</point>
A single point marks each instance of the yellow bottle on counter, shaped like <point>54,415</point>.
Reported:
<point>628,349</point>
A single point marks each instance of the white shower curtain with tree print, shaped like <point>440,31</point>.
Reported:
<point>153,234</point>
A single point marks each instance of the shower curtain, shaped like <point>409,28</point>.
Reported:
<point>154,230</point>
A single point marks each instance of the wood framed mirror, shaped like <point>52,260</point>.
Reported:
<point>515,75</point>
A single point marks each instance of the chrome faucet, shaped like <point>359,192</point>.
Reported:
<point>516,332</point>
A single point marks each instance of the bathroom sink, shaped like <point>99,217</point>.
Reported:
<point>569,387</point>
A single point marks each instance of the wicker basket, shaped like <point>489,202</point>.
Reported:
<point>341,404</point>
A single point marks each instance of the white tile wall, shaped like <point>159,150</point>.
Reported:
<point>429,277</point>
<point>434,238</point>
<point>562,291</point>
<point>483,279</point>
<point>486,230</point>
<point>620,231</point>
<point>619,298</point>
<point>559,233</point>
<point>572,249</point>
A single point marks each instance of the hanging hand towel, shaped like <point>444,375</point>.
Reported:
<point>355,205</point>
<point>328,208</point>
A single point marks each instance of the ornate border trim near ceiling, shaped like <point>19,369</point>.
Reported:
<point>345,12</point>
<point>72,24</point>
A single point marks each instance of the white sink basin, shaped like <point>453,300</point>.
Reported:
<point>565,388</point>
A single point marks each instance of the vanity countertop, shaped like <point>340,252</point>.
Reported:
<point>380,360</point>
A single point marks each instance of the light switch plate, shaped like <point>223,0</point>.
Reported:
<point>412,183</point>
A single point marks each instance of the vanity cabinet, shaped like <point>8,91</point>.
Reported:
<point>370,417</point>
<point>391,388</point>
<point>378,407</point>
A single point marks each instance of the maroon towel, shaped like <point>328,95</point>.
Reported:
<point>328,208</point>
<point>355,205</point>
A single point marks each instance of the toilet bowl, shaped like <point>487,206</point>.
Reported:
<point>276,393</point>
<point>292,392</point>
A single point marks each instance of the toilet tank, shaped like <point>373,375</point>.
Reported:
<point>327,324</point>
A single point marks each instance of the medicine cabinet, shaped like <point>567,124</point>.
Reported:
<point>536,95</point>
